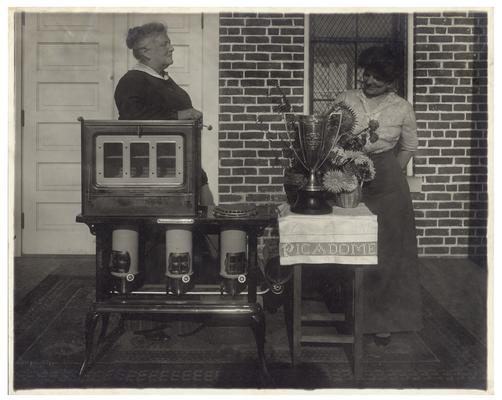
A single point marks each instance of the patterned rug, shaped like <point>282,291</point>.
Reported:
<point>49,348</point>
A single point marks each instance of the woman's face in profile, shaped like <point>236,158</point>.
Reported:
<point>160,51</point>
<point>373,85</point>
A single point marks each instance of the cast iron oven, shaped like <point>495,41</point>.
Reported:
<point>140,168</point>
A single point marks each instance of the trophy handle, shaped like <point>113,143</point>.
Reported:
<point>284,117</point>
<point>335,139</point>
<point>339,124</point>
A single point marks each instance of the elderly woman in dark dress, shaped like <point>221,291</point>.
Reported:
<point>147,92</point>
<point>392,292</point>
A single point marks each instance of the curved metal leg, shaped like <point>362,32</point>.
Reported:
<point>91,321</point>
<point>259,334</point>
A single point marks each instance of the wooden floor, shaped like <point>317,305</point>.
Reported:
<point>457,284</point>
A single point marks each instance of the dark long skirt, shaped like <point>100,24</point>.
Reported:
<point>392,293</point>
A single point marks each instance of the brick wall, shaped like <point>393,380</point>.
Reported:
<point>257,51</point>
<point>451,109</point>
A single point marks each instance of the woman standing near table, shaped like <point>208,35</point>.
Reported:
<point>392,292</point>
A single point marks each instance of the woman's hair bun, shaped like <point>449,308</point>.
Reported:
<point>132,37</point>
<point>387,61</point>
<point>138,33</point>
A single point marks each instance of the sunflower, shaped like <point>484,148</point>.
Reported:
<point>337,181</point>
<point>349,119</point>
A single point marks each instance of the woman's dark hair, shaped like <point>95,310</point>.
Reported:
<point>136,35</point>
<point>384,61</point>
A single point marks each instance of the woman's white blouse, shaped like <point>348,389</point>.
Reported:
<point>395,117</point>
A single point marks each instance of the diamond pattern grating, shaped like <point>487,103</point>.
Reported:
<point>336,42</point>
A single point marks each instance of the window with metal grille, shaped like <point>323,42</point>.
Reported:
<point>336,40</point>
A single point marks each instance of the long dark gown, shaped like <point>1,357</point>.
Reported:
<point>392,293</point>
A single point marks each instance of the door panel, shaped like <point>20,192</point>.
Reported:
<point>67,71</point>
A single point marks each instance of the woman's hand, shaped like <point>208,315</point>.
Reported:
<point>403,156</point>
<point>190,113</point>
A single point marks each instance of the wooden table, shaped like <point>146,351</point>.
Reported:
<point>108,301</point>
<point>345,239</point>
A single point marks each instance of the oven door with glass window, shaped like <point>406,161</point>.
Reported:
<point>140,168</point>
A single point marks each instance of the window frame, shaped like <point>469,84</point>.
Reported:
<point>408,87</point>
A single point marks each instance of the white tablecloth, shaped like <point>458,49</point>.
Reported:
<point>346,236</point>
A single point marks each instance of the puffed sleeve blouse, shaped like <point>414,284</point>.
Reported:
<point>395,116</point>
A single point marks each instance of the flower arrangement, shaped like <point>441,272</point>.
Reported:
<point>346,170</point>
<point>348,166</point>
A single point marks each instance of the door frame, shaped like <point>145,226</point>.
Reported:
<point>15,134</point>
<point>210,105</point>
<point>210,97</point>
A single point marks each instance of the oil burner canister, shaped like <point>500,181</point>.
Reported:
<point>178,259</point>
<point>124,258</point>
<point>233,260</point>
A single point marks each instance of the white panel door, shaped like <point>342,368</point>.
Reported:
<point>67,73</point>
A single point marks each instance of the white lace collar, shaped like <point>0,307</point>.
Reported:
<point>386,101</point>
<point>150,71</point>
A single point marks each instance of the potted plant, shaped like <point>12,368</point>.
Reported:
<point>348,166</point>
<point>345,174</point>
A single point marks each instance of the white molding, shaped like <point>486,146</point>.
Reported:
<point>15,233</point>
<point>306,63</point>
<point>210,100</point>
<point>409,66</point>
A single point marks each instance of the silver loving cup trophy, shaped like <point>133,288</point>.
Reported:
<point>311,139</point>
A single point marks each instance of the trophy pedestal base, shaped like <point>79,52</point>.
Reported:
<point>311,203</point>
